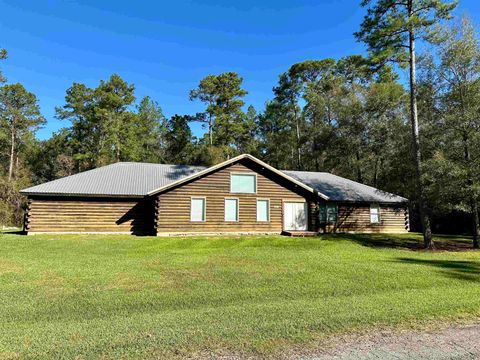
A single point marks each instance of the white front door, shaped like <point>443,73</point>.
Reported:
<point>295,216</point>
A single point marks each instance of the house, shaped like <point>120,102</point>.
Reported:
<point>240,195</point>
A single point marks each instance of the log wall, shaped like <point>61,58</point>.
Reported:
<point>356,218</point>
<point>89,215</point>
<point>173,207</point>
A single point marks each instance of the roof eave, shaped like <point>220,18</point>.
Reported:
<point>129,196</point>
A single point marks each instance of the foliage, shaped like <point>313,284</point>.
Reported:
<point>3,56</point>
<point>179,147</point>
<point>102,126</point>
<point>390,29</point>
<point>223,96</point>
<point>457,100</point>
<point>19,118</point>
<point>150,132</point>
<point>387,26</point>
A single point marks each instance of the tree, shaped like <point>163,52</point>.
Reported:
<point>103,127</point>
<point>459,69</point>
<point>390,30</point>
<point>52,158</point>
<point>3,56</point>
<point>276,137</point>
<point>286,95</point>
<point>223,96</point>
<point>112,98</point>
<point>20,116</point>
<point>151,128</point>
<point>247,140</point>
<point>179,147</point>
<point>85,138</point>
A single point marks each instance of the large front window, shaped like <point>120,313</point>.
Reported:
<point>243,183</point>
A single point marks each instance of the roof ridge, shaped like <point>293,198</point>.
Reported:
<point>150,163</point>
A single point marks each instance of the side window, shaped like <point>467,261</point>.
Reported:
<point>243,183</point>
<point>198,209</point>
<point>231,209</point>
<point>263,210</point>
<point>374,214</point>
<point>328,213</point>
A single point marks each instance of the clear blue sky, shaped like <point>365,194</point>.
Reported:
<point>166,47</point>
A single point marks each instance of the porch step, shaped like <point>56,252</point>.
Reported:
<point>299,233</point>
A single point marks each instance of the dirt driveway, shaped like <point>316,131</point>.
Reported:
<point>455,342</point>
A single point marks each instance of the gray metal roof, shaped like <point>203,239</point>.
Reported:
<point>119,179</point>
<point>340,189</point>
<point>129,179</point>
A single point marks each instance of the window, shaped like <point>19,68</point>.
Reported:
<point>263,210</point>
<point>231,209</point>
<point>328,213</point>
<point>243,183</point>
<point>197,209</point>
<point>374,214</point>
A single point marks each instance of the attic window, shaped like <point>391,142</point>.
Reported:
<point>243,183</point>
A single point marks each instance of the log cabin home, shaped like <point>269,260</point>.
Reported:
<point>243,195</point>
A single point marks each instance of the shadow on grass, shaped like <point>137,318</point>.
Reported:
<point>461,270</point>
<point>410,241</point>
<point>13,232</point>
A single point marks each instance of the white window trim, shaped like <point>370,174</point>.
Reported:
<point>204,198</point>
<point>375,206</point>
<point>225,209</point>
<point>268,210</point>
<point>244,173</point>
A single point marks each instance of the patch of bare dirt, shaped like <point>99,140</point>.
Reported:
<point>454,342</point>
<point>459,342</point>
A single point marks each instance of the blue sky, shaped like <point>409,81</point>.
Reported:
<point>166,47</point>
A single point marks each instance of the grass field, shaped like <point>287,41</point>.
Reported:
<point>89,296</point>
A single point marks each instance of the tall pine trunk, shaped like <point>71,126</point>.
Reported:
<point>210,129</point>
<point>12,155</point>
<point>297,126</point>
<point>359,168</point>
<point>424,217</point>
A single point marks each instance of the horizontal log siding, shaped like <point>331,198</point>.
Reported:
<point>56,214</point>
<point>356,218</point>
<point>174,205</point>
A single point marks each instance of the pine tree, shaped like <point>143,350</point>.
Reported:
<point>390,30</point>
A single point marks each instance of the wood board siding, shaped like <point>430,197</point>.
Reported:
<point>356,218</point>
<point>173,206</point>
<point>75,215</point>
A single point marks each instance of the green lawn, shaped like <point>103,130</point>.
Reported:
<point>114,296</point>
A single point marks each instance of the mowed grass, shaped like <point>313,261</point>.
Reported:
<point>90,296</point>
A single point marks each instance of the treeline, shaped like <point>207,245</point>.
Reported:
<point>352,117</point>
